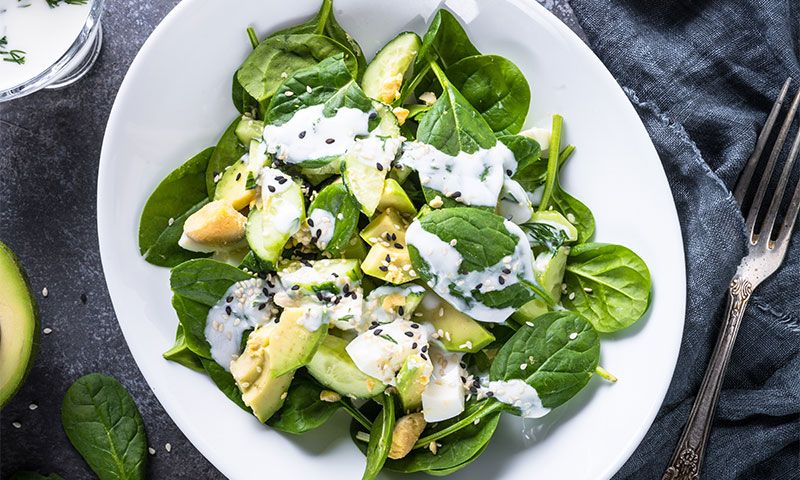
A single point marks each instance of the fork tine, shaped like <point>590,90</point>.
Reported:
<point>752,216</point>
<point>747,174</point>
<point>790,219</point>
<point>777,197</point>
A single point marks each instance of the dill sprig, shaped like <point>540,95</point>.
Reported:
<point>16,56</point>
<point>55,3</point>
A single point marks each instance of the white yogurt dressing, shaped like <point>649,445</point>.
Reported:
<point>443,397</point>
<point>518,394</point>
<point>374,308</point>
<point>273,182</point>
<point>43,33</point>
<point>381,351</point>
<point>376,151</point>
<point>321,223</point>
<point>514,204</point>
<point>310,135</point>
<point>245,305</point>
<point>314,316</point>
<point>470,178</point>
<point>444,261</point>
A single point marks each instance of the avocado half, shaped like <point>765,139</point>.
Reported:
<point>19,325</point>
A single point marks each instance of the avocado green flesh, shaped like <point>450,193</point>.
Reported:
<point>291,345</point>
<point>19,325</point>
<point>461,333</point>
<point>412,379</point>
<point>333,367</point>
<point>232,187</point>
<point>387,222</point>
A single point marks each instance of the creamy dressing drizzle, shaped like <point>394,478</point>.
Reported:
<point>374,305</point>
<point>289,211</point>
<point>250,306</point>
<point>310,135</point>
<point>514,204</point>
<point>381,351</point>
<point>518,394</point>
<point>444,261</point>
<point>324,223</point>
<point>476,177</point>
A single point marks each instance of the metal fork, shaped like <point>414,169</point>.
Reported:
<point>766,251</point>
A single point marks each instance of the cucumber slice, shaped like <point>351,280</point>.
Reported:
<point>558,221</point>
<point>321,275</point>
<point>365,168</point>
<point>392,64</point>
<point>249,129</point>
<point>334,368</point>
<point>551,274</point>
<point>271,224</point>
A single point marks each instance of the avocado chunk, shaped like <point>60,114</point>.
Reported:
<point>530,311</point>
<point>557,221</point>
<point>384,75</point>
<point>389,264</point>
<point>412,379</point>
<point>387,226</point>
<point>355,249</point>
<point>19,325</point>
<point>232,187</point>
<point>292,344</point>
<point>334,368</point>
<point>395,197</point>
<point>460,333</point>
<point>261,390</point>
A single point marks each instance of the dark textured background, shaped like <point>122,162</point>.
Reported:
<point>49,152</point>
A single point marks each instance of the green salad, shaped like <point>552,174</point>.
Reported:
<point>385,239</point>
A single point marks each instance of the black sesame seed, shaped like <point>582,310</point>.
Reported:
<point>415,325</point>
<point>271,188</point>
<point>319,232</point>
<point>265,291</point>
<point>310,222</point>
<point>423,356</point>
<point>229,299</point>
<point>394,237</point>
<point>455,194</point>
<point>377,332</point>
<point>334,275</point>
<point>277,319</point>
<point>401,311</point>
<point>346,288</point>
<point>379,166</point>
<point>84,298</point>
<point>281,180</point>
<point>463,380</point>
<point>388,258</point>
<point>473,390</point>
<point>463,365</point>
<point>336,300</point>
<point>330,140</point>
<point>262,306</point>
<point>509,172</point>
<point>383,269</point>
<point>302,134</point>
<point>295,287</point>
<point>501,280</point>
<point>319,296</point>
<point>409,334</point>
<point>478,286</point>
<point>388,236</point>
<point>398,246</point>
<point>414,346</point>
<point>490,394</point>
<point>270,284</point>
<point>424,348</point>
<point>507,271</point>
<point>228,310</point>
<point>238,176</point>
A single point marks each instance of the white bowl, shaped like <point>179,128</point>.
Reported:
<point>175,101</point>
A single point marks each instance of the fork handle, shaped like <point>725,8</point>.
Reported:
<point>688,456</point>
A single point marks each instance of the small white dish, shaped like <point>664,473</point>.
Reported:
<point>175,101</point>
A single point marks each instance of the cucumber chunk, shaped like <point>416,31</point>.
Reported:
<point>392,64</point>
<point>329,275</point>
<point>271,224</point>
<point>558,221</point>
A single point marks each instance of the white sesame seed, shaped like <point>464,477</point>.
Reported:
<point>441,311</point>
<point>45,292</point>
<point>530,324</point>
<point>573,335</point>
<point>571,295</point>
<point>284,395</point>
<point>33,406</point>
<point>587,289</point>
<point>523,366</point>
<point>571,217</point>
<point>47,331</point>
<point>477,421</point>
<point>288,93</point>
<point>308,88</point>
<point>340,216</point>
<point>16,424</point>
<point>453,242</point>
<point>170,221</point>
<point>151,450</point>
<point>284,75</point>
<point>168,447</point>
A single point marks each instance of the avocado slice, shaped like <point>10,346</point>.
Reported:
<point>462,333</point>
<point>395,197</point>
<point>263,392</point>
<point>397,270</point>
<point>412,379</point>
<point>388,222</point>
<point>530,311</point>
<point>19,325</point>
<point>334,368</point>
<point>232,187</point>
<point>355,249</point>
<point>291,344</point>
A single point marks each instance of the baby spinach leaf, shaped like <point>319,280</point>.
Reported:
<point>105,427</point>
<point>204,280</point>
<point>225,382</point>
<point>192,317</point>
<point>571,207</point>
<point>611,285</point>
<point>35,476</point>
<point>496,88</point>
<point>380,438</point>
<point>166,252</point>
<point>266,68</point>
<point>242,100</point>
<point>182,354</point>
<point>560,351</point>
<point>336,200</point>
<point>531,167</point>
<point>177,193</point>
<point>303,410</point>
<point>445,41</point>
<point>452,125</point>
<point>331,84</point>
<point>226,153</point>
<point>457,449</point>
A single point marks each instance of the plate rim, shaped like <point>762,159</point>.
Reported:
<point>531,8</point>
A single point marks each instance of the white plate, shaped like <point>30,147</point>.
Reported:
<point>175,101</point>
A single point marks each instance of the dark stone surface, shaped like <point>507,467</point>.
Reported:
<point>49,152</point>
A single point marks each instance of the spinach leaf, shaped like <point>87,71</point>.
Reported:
<point>611,285</point>
<point>242,100</point>
<point>531,167</point>
<point>105,427</point>
<point>181,352</point>
<point>496,88</point>
<point>445,41</point>
<point>331,84</point>
<point>458,449</point>
<point>35,476</point>
<point>177,193</point>
<point>252,263</point>
<point>204,280</point>
<point>166,252</point>
<point>303,410</point>
<point>452,125</point>
<point>557,365</point>
<point>380,438</point>
<point>226,153</point>
<point>266,68</point>
<point>225,382</point>
<point>336,200</point>
<point>192,317</point>
<point>572,208</point>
